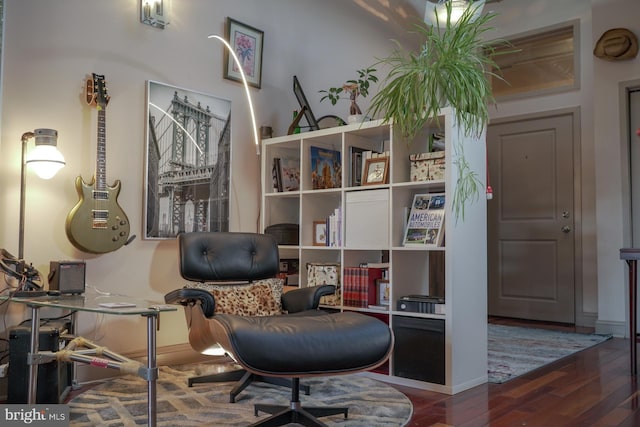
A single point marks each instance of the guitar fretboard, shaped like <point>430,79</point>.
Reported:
<point>101,156</point>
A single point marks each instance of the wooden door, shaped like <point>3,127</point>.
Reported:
<point>531,219</point>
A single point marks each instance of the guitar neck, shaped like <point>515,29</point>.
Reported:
<point>101,157</point>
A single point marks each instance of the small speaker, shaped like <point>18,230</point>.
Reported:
<point>68,277</point>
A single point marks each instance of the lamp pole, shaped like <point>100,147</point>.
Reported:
<point>23,180</point>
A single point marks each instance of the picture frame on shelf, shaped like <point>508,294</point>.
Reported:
<point>319,233</point>
<point>305,108</point>
<point>384,292</point>
<point>376,171</point>
<point>246,42</point>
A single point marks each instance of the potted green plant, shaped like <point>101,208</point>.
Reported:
<point>354,88</point>
<point>452,68</point>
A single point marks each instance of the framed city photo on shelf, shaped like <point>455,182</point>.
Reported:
<point>376,171</point>
<point>319,233</point>
<point>246,43</point>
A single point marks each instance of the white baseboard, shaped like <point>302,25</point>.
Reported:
<point>617,329</point>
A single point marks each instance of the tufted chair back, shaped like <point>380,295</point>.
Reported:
<point>227,256</point>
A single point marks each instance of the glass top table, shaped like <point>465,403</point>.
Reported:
<point>96,303</point>
<point>118,305</point>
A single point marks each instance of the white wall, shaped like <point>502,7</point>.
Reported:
<point>51,46</point>
<point>611,174</point>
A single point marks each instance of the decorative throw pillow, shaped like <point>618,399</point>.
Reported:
<point>259,298</point>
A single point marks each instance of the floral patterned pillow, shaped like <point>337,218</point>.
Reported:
<point>259,298</point>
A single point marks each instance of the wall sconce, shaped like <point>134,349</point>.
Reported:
<point>436,11</point>
<point>155,13</point>
<point>45,160</point>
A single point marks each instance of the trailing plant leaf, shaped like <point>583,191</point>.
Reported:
<point>468,185</point>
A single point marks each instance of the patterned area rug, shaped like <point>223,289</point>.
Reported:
<point>514,351</point>
<point>122,401</point>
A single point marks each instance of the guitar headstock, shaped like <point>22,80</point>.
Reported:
<point>96,91</point>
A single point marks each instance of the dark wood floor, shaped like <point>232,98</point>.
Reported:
<point>590,388</point>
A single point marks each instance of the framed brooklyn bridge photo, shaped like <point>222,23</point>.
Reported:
<point>188,149</point>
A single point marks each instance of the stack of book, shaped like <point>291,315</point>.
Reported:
<point>334,228</point>
<point>359,285</point>
<point>422,304</point>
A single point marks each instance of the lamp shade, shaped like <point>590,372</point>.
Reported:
<point>45,159</point>
<point>435,13</point>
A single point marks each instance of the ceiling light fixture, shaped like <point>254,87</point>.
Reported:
<point>435,13</point>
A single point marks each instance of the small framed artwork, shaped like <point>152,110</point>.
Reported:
<point>319,233</point>
<point>304,105</point>
<point>384,292</point>
<point>376,171</point>
<point>246,42</point>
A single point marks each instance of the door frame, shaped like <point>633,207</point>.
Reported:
<point>581,318</point>
<point>625,155</point>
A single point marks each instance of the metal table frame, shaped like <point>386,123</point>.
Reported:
<point>91,303</point>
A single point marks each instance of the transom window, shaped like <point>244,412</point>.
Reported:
<point>537,64</point>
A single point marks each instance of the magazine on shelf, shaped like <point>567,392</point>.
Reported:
<point>326,168</point>
<point>425,225</point>
<point>289,173</point>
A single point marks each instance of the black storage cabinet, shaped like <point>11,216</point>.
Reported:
<point>419,349</point>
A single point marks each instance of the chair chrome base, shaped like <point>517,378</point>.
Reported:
<point>243,379</point>
<point>295,413</point>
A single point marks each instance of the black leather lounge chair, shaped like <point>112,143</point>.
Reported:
<point>305,343</point>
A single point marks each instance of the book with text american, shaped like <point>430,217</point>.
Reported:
<point>425,225</point>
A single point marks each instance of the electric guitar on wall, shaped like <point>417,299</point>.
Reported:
<point>97,224</point>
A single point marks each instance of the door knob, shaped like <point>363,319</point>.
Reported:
<point>566,229</point>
